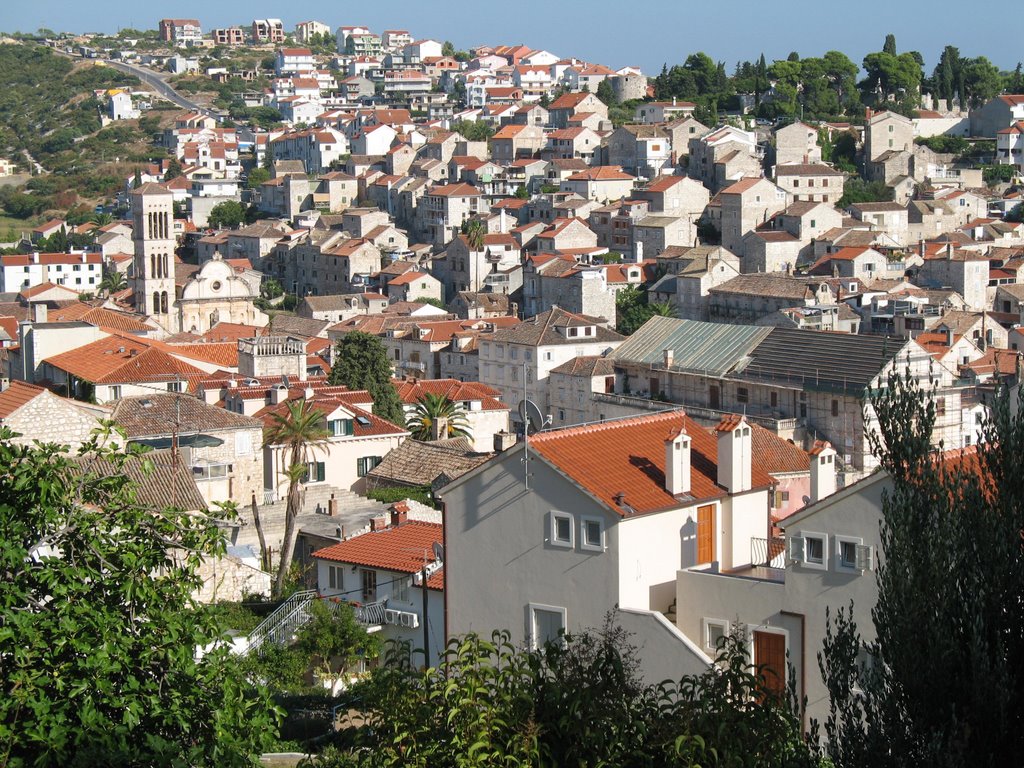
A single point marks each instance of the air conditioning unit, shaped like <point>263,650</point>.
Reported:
<point>795,549</point>
<point>391,616</point>
<point>410,620</point>
<point>864,557</point>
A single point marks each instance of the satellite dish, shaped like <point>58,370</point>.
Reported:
<point>438,552</point>
<point>531,416</point>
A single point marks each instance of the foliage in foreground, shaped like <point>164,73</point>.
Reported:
<point>941,685</point>
<point>98,627</point>
<point>579,702</point>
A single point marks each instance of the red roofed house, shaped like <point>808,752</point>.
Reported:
<point>381,574</point>
<point>569,104</point>
<point>998,113</point>
<point>609,517</point>
<point>486,415</point>
<point>445,208</point>
<point>1010,145</point>
<point>357,441</point>
<point>601,184</point>
<point>415,286</point>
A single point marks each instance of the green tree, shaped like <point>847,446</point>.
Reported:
<point>98,623</point>
<point>334,641</point>
<point>433,409</point>
<point>606,93</point>
<point>271,288</point>
<point>982,81</point>
<point>174,169</point>
<point>632,309</point>
<point>575,702</point>
<point>361,362</point>
<point>522,193</point>
<point>226,215</point>
<point>448,48</point>
<point>256,177</point>
<point>476,234</point>
<point>943,684</point>
<point>300,430</point>
<point>113,282</point>
<point>101,219</point>
<point>473,130</point>
<point>889,46</point>
<point>857,190</point>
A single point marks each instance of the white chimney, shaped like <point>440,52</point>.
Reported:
<point>734,453</point>
<point>677,463</point>
<point>638,251</point>
<point>39,312</point>
<point>823,470</point>
<point>278,394</point>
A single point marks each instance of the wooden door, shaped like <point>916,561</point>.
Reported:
<point>770,659</point>
<point>705,534</point>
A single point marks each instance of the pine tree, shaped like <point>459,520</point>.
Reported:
<point>890,45</point>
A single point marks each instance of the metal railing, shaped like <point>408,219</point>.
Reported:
<point>280,626</point>
<point>371,614</point>
<point>769,552</point>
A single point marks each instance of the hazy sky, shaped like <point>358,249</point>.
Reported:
<point>613,32</point>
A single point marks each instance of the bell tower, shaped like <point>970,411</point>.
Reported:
<point>153,273</point>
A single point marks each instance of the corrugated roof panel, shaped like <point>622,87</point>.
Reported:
<point>696,346</point>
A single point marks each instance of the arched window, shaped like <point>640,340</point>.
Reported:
<point>156,302</point>
<point>167,272</point>
<point>152,266</point>
<point>163,302</point>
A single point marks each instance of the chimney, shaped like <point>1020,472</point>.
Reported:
<point>399,514</point>
<point>677,463</point>
<point>39,313</point>
<point>949,337</point>
<point>278,394</point>
<point>669,357</point>
<point>734,453</point>
<point>308,393</point>
<point>503,441</point>
<point>332,506</point>
<point>378,524</point>
<point>638,251</point>
<point>823,470</point>
<point>439,428</point>
<point>920,248</point>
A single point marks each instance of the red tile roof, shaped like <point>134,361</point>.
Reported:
<point>398,549</point>
<point>17,395</point>
<point>602,173</point>
<point>628,457</point>
<point>121,359</point>
<point>409,392</point>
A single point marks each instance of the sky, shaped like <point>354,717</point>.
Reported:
<point>645,33</point>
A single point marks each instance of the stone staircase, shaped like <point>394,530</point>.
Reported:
<point>354,513</point>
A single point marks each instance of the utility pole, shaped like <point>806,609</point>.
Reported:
<point>426,623</point>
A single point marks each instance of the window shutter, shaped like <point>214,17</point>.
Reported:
<point>795,549</point>
<point>360,467</point>
<point>865,557</point>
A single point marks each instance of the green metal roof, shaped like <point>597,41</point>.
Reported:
<point>710,348</point>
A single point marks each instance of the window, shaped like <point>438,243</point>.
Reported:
<point>547,624</point>
<point>315,472</point>
<point>773,399</point>
<point>592,534</point>
<point>742,395</point>
<point>400,589</point>
<point>115,393</point>
<point>852,556</point>
<point>811,549</point>
<point>335,576</point>
<point>340,427</point>
<point>175,386</point>
<point>561,529</point>
<point>780,499</point>
<point>715,632</point>
<point>365,464</point>
<point>835,407</point>
<point>369,583</point>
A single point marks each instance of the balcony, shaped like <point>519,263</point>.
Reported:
<point>770,552</point>
<point>414,365</point>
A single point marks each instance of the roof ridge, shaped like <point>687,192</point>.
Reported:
<point>607,424</point>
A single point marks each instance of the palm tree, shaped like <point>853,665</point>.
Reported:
<point>299,431</point>
<point>101,219</point>
<point>662,309</point>
<point>476,234</point>
<point>113,282</point>
<point>431,409</point>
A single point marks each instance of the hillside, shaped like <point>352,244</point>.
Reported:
<point>51,113</point>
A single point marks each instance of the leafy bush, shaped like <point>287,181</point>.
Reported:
<point>390,495</point>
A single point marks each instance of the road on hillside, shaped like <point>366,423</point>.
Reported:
<point>158,82</point>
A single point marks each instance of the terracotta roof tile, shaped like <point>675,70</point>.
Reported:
<point>397,549</point>
<point>628,457</point>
